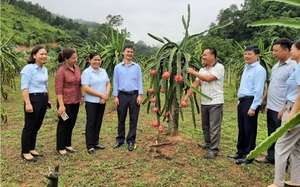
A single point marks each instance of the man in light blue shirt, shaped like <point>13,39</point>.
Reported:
<point>276,97</point>
<point>128,90</point>
<point>250,97</point>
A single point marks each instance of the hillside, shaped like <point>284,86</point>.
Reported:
<point>28,29</point>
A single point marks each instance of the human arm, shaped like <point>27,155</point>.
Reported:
<point>207,78</point>
<point>195,84</point>
<point>140,86</point>
<point>59,83</point>
<point>28,106</point>
<point>296,106</point>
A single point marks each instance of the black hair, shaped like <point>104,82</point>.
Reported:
<point>297,44</point>
<point>34,51</point>
<point>66,54</point>
<point>93,54</point>
<point>284,43</point>
<point>212,51</point>
<point>253,48</point>
<point>128,46</point>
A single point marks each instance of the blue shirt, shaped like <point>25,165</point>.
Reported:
<point>34,78</point>
<point>127,78</point>
<point>252,83</point>
<point>95,80</point>
<point>292,84</point>
<point>277,88</point>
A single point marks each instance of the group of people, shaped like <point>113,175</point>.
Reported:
<point>282,101</point>
<point>73,89</point>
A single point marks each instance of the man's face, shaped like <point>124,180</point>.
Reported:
<point>280,53</point>
<point>128,53</point>
<point>207,57</point>
<point>250,57</point>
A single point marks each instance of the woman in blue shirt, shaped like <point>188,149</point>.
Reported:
<point>289,143</point>
<point>35,92</point>
<point>96,85</point>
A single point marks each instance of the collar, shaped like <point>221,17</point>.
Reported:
<point>213,65</point>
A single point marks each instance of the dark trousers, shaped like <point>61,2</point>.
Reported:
<point>212,116</point>
<point>127,102</point>
<point>273,124</point>
<point>65,128</point>
<point>33,121</point>
<point>247,128</point>
<point>94,116</point>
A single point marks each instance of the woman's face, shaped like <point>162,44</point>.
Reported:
<point>41,57</point>
<point>72,60</point>
<point>295,53</point>
<point>95,62</point>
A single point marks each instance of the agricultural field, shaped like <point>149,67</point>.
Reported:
<point>158,160</point>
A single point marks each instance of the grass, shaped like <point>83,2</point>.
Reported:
<point>177,163</point>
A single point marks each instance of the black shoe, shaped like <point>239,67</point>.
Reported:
<point>37,155</point>
<point>203,146</point>
<point>91,151</point>
<point>66,154</point>
<point>211,155</point>
<point>244,161</point>
<point>236,156</point>
<point>33,159</point>
<point>99,147</point>
<point>130,146</point>
<point>118,144</point>
<point>71,150</point>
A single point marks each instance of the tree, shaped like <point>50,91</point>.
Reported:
<point>169,80</point>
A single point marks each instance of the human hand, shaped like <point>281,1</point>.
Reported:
<point>102,101</point>
<point>61,110</point>
<point>263,106</point>
<point>280,114</point>
<point>190,70</point>
<point>251,112</point>
<point>116,101</point>
<point>104,96</point>
<point>28,108</point>
<point>139,100</point>
<point>81,101</point>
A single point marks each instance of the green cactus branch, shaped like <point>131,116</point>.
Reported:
<point>274,136</point>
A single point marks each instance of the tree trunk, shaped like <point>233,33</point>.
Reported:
<point>173,119</point>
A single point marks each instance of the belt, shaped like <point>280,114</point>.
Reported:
<point>289,104</point>
<point>39,94</point>
<point>245,98</point>
<point>129,93</point>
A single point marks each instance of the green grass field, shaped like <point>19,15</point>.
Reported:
<point>158,160</point>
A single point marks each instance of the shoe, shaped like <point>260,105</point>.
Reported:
<point>71,150</point>
<point>130,146</point>
<point>118,144</point>
<point>236,156</point>
<point>203,146</point>
<point>262,160</point>
<point>290,183</point>
<point>92,151</point>
<point>83,132</point>
<point>244,161</point>
<point>33,159</point>
<point>211,155</point>
<point>99,147</point>
<point>66,154</point>
<point>37,155</point>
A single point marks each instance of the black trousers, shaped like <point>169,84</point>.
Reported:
<point>94,116</point>
<point>127,102</point>
<point>273,124</point>
<point>247,128</point>
<point>33,121</point>
<point>65,128</point>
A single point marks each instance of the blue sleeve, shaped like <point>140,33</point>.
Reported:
<point>259,85</point>
<point>140,80</point>
<point>116,82</point>
<point>26,76</point>
<point>85,78</point>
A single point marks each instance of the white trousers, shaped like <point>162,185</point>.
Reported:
<point>287,144</point>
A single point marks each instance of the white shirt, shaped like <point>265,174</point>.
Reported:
<point>213,89</point>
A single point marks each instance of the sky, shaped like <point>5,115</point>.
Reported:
<point>162,18</point>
